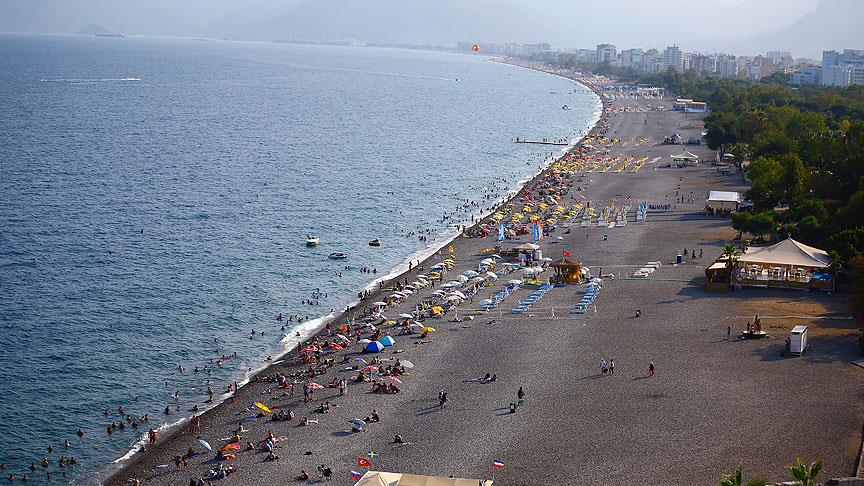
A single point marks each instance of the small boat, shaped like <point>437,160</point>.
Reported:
<point>337,255</point>
<point>375,242</point>
<point>311,240</point>
<point>566,107</point>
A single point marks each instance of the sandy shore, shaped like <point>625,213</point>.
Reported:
<point>713,405</point>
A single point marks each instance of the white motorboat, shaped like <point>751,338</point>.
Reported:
<point>311,240</point>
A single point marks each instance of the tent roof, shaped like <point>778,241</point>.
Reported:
<point>377,478</point>
<point>787,252</point>
<point>565,262</point>
<point>724,196</point>
<point>685,155</point>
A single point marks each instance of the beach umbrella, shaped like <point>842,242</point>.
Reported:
<point>428,329</point>
<point>462,278</point>
<point>470,274</point>
<point>230,447</point>
<point>496,256</point>
<point>393,378</point>
<point>491,275</point>
<point>315,386</point>
<point>406,364</point>
<point>373,347</point>
<point>359,360</point>
<point>263,407</point>
<point>309,349</point>
<point>414,324</point>
<point>406,316</point>
<point>358,422</point>
<point>486,302</point>
<point>342,337</point>
<point>515,281</point>
<point>205,444</point>
<point>379,304</point>
<point>365,341</point>
<point>335,346</point>
<point>407,292</point>
<point>387,341</point>
<point>477,280</point>
<point>370,369</point>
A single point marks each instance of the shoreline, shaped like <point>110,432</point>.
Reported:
<point>111,472</point>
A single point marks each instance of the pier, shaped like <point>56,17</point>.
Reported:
<point>542,142</point>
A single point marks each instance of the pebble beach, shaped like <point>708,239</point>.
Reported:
<point>713,404</point>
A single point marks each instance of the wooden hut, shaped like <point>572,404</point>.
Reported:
<point>567,271</point>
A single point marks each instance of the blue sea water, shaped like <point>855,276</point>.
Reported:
<point>155,196</point>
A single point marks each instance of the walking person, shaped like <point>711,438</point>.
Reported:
<point>442,400</point>
<point>611,366</point>
<point>651,369</point>
<point>729,332</point>
<point>520,397</point>
<point>603,366</point>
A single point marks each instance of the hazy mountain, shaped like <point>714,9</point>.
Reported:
<point>835,24</point>
<point>402,21</point>
<point>93,29</point>
<point>236,22</point>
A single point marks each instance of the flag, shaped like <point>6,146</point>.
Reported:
<point>566,253</point>
<point>501,230</point>
<point>498,465</point>
<point>372,455</point>
<point>362,462</point>
<point>538,232</point>
<point>356,475</point>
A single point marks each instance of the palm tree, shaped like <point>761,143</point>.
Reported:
<point>805,474</point>
<point>730,479</point>
<point>729,253</point>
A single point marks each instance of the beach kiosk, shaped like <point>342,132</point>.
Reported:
<point>798,340</point>
<point>528,252</point>
<point>685,158</point>
<point>567,271</point>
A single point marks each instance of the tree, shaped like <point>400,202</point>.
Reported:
<point>729,253</point>
<point>729,479</point>
<point>847,243</point>
<point>856,272</point>
<point>794,177</point>
<point>766,175</point>
<point>805,474</point>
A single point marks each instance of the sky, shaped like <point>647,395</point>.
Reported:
<point>704,25</point>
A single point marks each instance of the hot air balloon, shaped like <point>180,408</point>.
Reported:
<point>475,47</point>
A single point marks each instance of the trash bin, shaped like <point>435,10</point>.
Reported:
<point>679,258</point>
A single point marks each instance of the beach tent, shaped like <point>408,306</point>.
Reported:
<point>723,199</point>
<point>567,271</point>
<point>788,264</point>
<point>379,478</point>
<point>373,347</point>
<point>686,156</point>
<point>387,341</point>
<point>788,252</point>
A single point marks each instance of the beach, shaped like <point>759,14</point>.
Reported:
<point>713,405</point>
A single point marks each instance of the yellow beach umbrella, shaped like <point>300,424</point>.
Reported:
<point>428,329</point>
<point>263,407</point>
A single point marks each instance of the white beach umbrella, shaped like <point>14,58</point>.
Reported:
<point>486,302</point>
<point>457,294</point>
<point>496,256</point>
<point>406,316</point>
<point>478,280</point>
<point>470,274</point>
<point>515,281</point>
<point>380,304</point>
<point>462,278</point>
<point>364,341</point>
<point>487,261</point>
<point>492,275</point>
<point>407,364</point>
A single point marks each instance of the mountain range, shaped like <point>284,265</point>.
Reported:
<point>804,27</point>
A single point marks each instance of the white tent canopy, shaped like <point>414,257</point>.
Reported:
<point>687,155</point>
<point>787,252</point>
<point>724,196</point>
<point>376,478</point>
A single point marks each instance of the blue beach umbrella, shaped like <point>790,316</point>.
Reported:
<point>387,341</point>
<point>373,347</point>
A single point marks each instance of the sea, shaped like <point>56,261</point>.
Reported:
<point>156,195</point>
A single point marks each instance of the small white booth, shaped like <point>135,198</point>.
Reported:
<point>798,340</point>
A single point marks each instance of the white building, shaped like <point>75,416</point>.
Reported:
<point>674,58</point>
<point>727,66</point>
<point>606,53</point>
<point>631,58</point>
